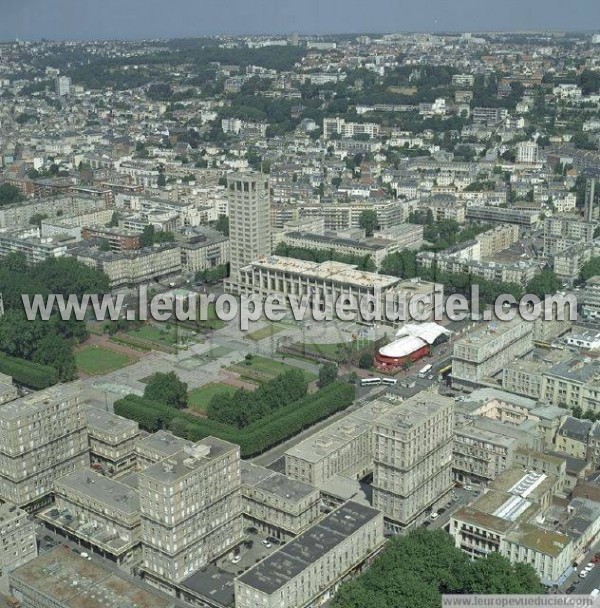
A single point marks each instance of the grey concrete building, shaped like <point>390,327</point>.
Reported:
<point>158,446</point>
<point>63,579</point>
<point>17,531</point>
<point>483,353</point>
<point>191,508</point>
<point>413,458</point>
<point>98,512</point>
<point>42,437</point>
<point>275,504</point>
<point>307,570</point>
<point>112,441</point>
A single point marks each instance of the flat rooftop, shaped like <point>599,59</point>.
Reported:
<point>275,571</point>
<point>101,489</point>
<point>38,401</point>
<point>109,423</point>
<point>274,483</point>
<point>332,437</point>
<point>184,462</point>
<point>70,580</point>
<point>161,445</point>
<point>326,271</point>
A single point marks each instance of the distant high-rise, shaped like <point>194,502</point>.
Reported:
<point>63,85</point>
<point>527,152</point>
<point>249,220</point>
<point>295,39</point>
<point>592,192</point>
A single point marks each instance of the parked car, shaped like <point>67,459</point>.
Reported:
<point>267,544</point>
<point>583,573</point>
<point>434,515</point>
<point>236,559</point>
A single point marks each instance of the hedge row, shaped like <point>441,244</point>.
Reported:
<point>27,373</point>
<point>256,437</point>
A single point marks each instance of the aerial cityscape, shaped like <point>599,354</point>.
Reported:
<point>298,320</point>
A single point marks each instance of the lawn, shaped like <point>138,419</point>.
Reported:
<point>215,352</point>
<point>200,397</point>
<point>95,360</point>
<point>155,333</point>
<point>212,321</point>
<point>261,368</point>
<point>264,332</point>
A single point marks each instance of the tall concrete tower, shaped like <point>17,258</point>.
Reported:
<point>249,220</point>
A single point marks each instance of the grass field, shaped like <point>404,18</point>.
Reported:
<point>200,397</point>
<point>335,351</point>
<point>154,333</point>
<point>264,332</point>
<point>212,321</point>
<point>215,353</point>
<point>261,368</point>
<point>95,360</point>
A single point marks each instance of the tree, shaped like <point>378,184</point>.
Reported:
<point>222,224</point>
<point>147,236</point>
<point>161,182</point>
<point>37,218</point>
<point>327,374</point>
<point>590,269</point>
<point>168,389</point>
<point>368,221</point>
<point>114,220</point>
<point>546,283</point>
<point>366,361</point>
<point>10,194</point>
<point>56,352</point>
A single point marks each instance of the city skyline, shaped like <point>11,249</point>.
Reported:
<point>68,20</point>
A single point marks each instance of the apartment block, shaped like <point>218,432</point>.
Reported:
<point>202,249</point>
<point>98,513</point>
<point>112,441</point>
<point>562,232</point>
<point>339,126</point>
<point>17,531</point>
<point>132,267</point>
<point>118,239</point>
<point>158,446</point>
<point>513,519</point>
<point>43,436</point>
<point>478,454</point>
<point>62,579</point>
<point>307,570</point>
<point>275,504</point>
<point>191,510</point>
<point>573,383</point>
<point>485,352</point>
<point>344,447</point>
<point>497,239</point>
<point>413,458</point>
<point>589,297</point>
<point>489,214</point>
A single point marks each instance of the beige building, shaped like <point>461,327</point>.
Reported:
<point>17,531</point>
<point>98,512</point>
<point>43,436</point>
<point>573,383</point>
<point>563,231</point>
<point>132,267</point>
<point>191,507</point>
<point>249,220</point>
<point>483,353</point>
<point>514,518</point>
<point>202,249</point>
<point>497,239</point>
<point>112,441</point>
<point>308,570</point>
<point>413,458</point>
<point>276,505</point>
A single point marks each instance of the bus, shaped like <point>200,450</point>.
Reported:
<point>423,373</point>
<point>389,381</point>
<point>370,381</point>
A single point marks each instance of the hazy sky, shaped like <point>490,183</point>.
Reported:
<point>85,19</point>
